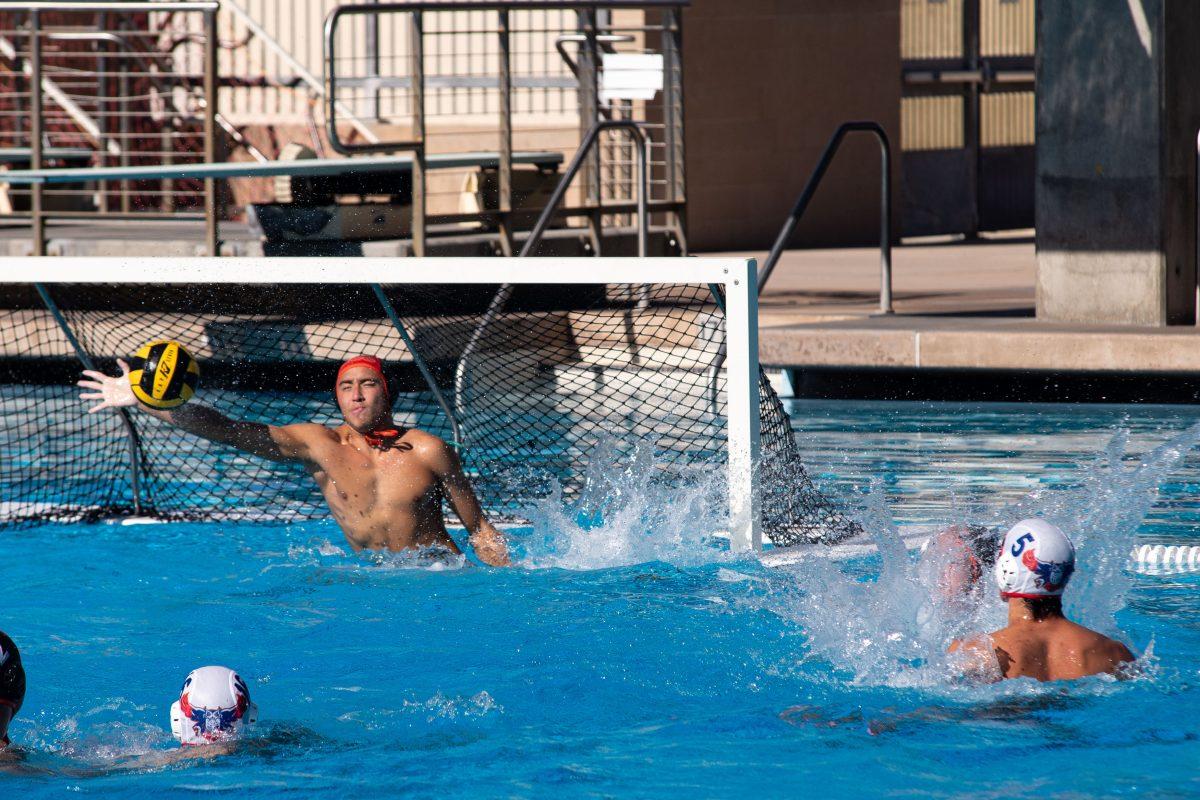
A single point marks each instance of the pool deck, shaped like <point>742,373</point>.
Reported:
<point>957,306</point>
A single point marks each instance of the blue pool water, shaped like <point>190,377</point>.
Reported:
<point>619,661</point>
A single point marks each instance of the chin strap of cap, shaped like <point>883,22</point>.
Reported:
<point>383,438</point>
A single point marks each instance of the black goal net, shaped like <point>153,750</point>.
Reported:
<point>528,385</point>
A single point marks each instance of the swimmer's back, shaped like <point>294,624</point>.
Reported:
<point>1056,650</point>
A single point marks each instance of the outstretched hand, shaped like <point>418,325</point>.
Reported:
<point>113,391</point>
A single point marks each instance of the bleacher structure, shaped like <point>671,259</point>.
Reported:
<point>479,102</point>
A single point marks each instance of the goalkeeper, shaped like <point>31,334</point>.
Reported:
<point>384,484</point>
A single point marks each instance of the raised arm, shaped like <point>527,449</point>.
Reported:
<point>278,443</point>
<point>487,542</point>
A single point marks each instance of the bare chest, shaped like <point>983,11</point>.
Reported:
<point>394,480</point>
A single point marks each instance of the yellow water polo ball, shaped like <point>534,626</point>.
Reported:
<point>164,374</point>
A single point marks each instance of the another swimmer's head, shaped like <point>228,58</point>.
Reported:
<point>214,705</point>
<point>1035,561</point>
<point>12,685</point>
<point>966,551</point>
<point>362,394</point>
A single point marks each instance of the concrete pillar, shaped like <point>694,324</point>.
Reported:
<point>1117,116</point>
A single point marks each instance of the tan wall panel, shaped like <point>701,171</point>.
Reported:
<point>930,29</point>
<point>765,86</point>
<point>1006,27</point>
<point>931,123</point>
<point>1007,119</point>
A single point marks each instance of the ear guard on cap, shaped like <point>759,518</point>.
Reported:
<point>1036,560</point>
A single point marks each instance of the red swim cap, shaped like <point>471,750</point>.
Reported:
<point>372,363</point>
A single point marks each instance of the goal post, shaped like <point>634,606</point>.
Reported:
<point>742,388</point>
<point>533,367</point>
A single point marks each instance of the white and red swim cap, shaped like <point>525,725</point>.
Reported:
<point>213,705</point>
<point>1035,560</point>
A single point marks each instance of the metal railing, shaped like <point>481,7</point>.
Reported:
<point>634,129</point>
<point>504,293</point>
<point>109,96</point>
<point>405,63</point>
<point>789,227</point>
<point>315,85</point>
<point>810,188</point>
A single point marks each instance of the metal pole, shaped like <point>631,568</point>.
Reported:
<point>85,359</point>
<point>102,99</point>
<point>123,121</point>
<point>398,324</point>
<point>35,131</point>
<point>418,167</point>
<point>971,110</point>
<point>373,63</point>
<point>505,171</point>
<point>885,224</point>
<point>642,147</point>
<point>589,99</point>
<point>210,130</point>
<point>672,46</point>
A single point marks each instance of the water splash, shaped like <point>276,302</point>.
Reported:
<point>1102,514</point>
<point>887,620</point>
<point>107,733</point>
<point>626,513</point>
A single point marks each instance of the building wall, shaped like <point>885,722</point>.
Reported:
<point>765,86</point>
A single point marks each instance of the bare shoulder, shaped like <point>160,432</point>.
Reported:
<point>305,441</point>
<point>977,658</point>
<point>427,445</point>
<point>975,643</point>
<point>1102,651</point>
<point>1112,651</point>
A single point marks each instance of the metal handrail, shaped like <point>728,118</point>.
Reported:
<point>314,84</point>
<point>413,140</point>
<point>789,226</point>
<point>501,298</point>
<point>581,38</point>
<point>885,209</point>
<point>634,129</point>
<point>38,213</point>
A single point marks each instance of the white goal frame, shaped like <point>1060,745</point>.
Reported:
<point>737,277</point>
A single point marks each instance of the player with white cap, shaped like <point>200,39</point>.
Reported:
<point>1034,565</point>
<point>214,706</point>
